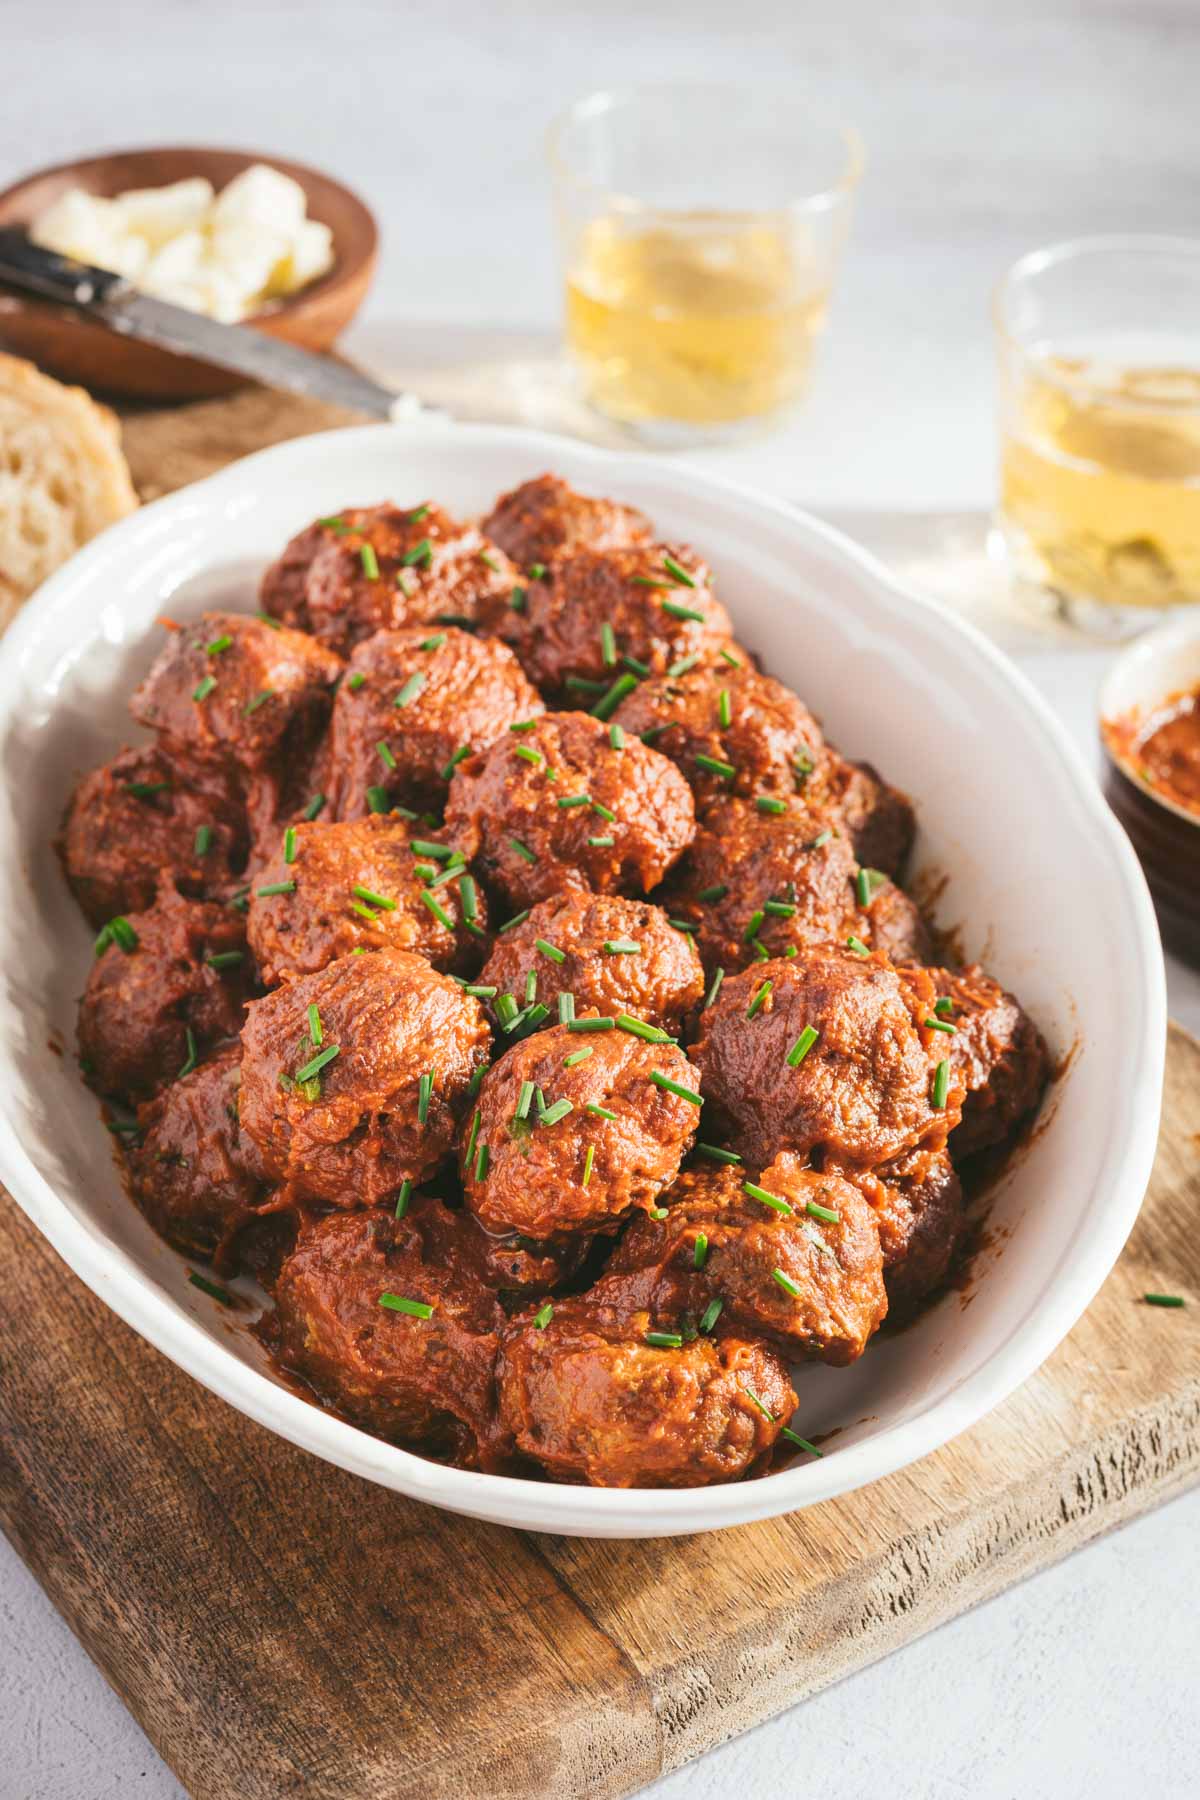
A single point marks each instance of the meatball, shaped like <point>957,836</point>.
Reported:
<point>144,814</point>
<point>828,1053</point>
<point>880,819</point>
<point>727,728</point>
<point>236,692</point>
<point>413,704</point>
<point>587,1397</point>
<point>167,986</point>
<point>332,889</point>
<point>802,1268</point>
<point>373,567</point>
<point>189,1171</point>
<point>422,1372</point>
<point>390,1045</point>
<point>610,955</point>
<point>577,1126</point>
<point>592,610</point>
<point>545,518</point>
<point>996,1050</point>
<point>918,1205</point>
<point>560,806</point>
<point>517,1267</point>
<point>895,923</point>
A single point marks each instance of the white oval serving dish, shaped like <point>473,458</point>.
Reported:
<point>1044,884</point>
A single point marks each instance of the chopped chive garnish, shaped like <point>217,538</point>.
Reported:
<point>786,1283</point>
<point>638,1028</point>
<point>675,1087</point>
<point>523,725</point>
<point>636,666</point>
<point>592,1025</point>
<point>468,894</point>
<point>802,766</point>
<point>753,928</point>
<point>369,561</point>
<point>710,895</point>
<point>655,731</point>
<point>419,557</point>
<point>941,1086</point>
<point>474,1137</point>
<point>241,899</point>
<point>314,807</point>
<point>581,684</point>
<point>663,1340</point>
<point>767,804</point>
<point>817,1211</point>
<point>318,1062</point>
<point>616,736</point>
<point>569,800</point>
<point>425,847</point>
<point>479,990</point>
<point>439,912</point>
<point>714,989</point>
<point>727,656</point>
<point>481,1163</point>
<point>780,909</point>
<point>600,1112</point>
<point>252,706</point>
<point>355,681</point>
<point>218,644</point>
<point>566,1007</point>
<point>944,1005</point>
<point>724,709</point>
<point>191,1058</point>
<point>711,1314</point>
<point>289,845</point>
<point>550,950</point>
<point>683,925</point>
<point>460,755</point>
<point>145,790</point>
<point>856,944</point>
<point>763,1408</point>
<point>543,1316</point>
<point>204,688</point>
<point>756,1004</point>
<point>523,850</point>
<point>364,912</point>
<point>276,887</point>
<point>338,525</point>
<point>314,1025</point>
<point>202,842</point>
<point>609,702</point>
<point>802,1046</point>
<point>588,1160</point>
<point>620,947</point>
<point>403,1197</point>
<point>418,513</point>
<point>374,899</point>
<point>760,949</point>
<point>432,643</point>
<point>599,807</point>
<point>552,1114</point>
<point>385,755</point>
<point>424,1096</point>
<point>1164,1299</point>
<point>714,766</point>
<point>867,882</point>
<point>935,1024</point>
<point>223,959</point>
<point>608,645</point>
<point>531,987</point>
<point>412,687</point>
<point>678,572</point>
<point>524,1100</point>
<point>528,754</point>
<point>682,664</point>
<point>211,1289</point>
<point>766,1198</point>
<point>578,1056</point>
<point>715,1153</point>
<point>511,924</point>
<point>682,612</point>
<point>700,1250</point>
<point>536,571</point>
<point>804,1444</point>
<point>488,560</point>
<point>517,599</point>
<point>451,871</point>
<point>648,581</point>
<point>413,1309</point>
<point>506,1008</point>
<point>601,843</point>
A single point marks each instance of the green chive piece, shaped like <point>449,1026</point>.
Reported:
<point>724,709</point>
<point>601,843</point>
<point>506,1009</point>
<point>223,959</point>
<point>488,560</point>
<point>765,1198</point>
<point>517,599</point>
<point>402,1199</point>
<point>578,1056</point>
<point>460,755</point>
<point>369,561</point>
<point>621,947</point>
<point>543,1316</point>
<point>566,1007</point>
<point>145,790</point>
<point>580,684</point>
<point>424,1096</point>
<point>786,1283</point>
<point>480,991</point>
<point>550,950</point>
<point>761,1405</point>
<point>536,571</point>
<point>531,987</point>
<point>1164,1299</point>
<point>933,1024</point>
<point>856,944</point>
<point>192,1056</point>
<point>374,899</point>
<point>413,1309</point>
<point>819,842</point>
<point>211,1289</point>
<point>314,1025</point>
<point>675,1087</point>
<point>385,754</point>
<point>364,912</point>
<point>318,1062</point>
<point>481,1163</point>
<point>412,687</point>
<point>559,1110</point>
<point>636,666</point>
<point>218,644</point>
<point>757,1002</point>
<point>476,1081</point>
<point>780,909</point>
<point>569,800</point>
<point>714,990</point>
<point>753,928</point>
<point>419,513</point>
<point>425,847</point>
<point>600,1112</point>
<point>944,1005</point>
<point>252,706</point>
<point>439,912</point>
<point>420,556</point>
<point>609,702</point>
<point>529,755</point>
<point>204,688</point>
<point>592,1025</point>
<point>766,804</point>
<point>468,894</point>
<point>663,1340</point>
<point>451,871</point>
<point>802,1046</point>
<point>338,525</point>
<point>276,887</point>
<point>867,882</point>
<point>525,1100</point>
<point>355,681</point>
<point>616,736</point>
<point>588,1160</point>
<point>941,1087</point>
<point>802,766</point>
<point>682,664</point>
<point>432,643</point>
<point>202,843</point>
<point>652,1034</point>
<point>654,731</point>
<point>289,845</point>
<point>314,807</point>
<point>817,1211</point>
<point>598,807</point>
<point>474,1137</point>
<point>523,850</point>
<point>804,1444</point>
<point>608,645</point>
<point>678,572</point>
<point>710,895</point>
<point>711,1314</point>
<point>715,1153</point>
<point>682,612</point>
<point>649,581</point>
<point>511,924</point>
<point>700,1250</point>
<point>714,766</point>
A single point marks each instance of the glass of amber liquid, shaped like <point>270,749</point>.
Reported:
<point>1099,347</point>
<point>701,228</point>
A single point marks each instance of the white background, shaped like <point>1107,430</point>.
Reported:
<point>991,127</point>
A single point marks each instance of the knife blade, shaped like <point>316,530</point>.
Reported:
<point>115,302</point>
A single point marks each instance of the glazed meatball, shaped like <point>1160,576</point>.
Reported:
<point>545,518</point>
<point>998,1052</point>
<point>750,733</point>
<point>409,1375</point>
<point>558,806</point>
<point>144,814</point>
<point>895,923</point>
<point>592,609</point>
<point>517,1267</point>
<point>413,704</point>
<point>189,1171</point>
<point>610,955</point>
<point>370,568</point>
<point>167,986</point>
<point>879,818</point>
<point>332,889</point>
<point>801,1268</point>
<point>834,1058</point>
<point>918,1205</point>
<point>368,1117</point>
<point>232,691</point>
<point>575,1127</point>
<point>589,1399</point>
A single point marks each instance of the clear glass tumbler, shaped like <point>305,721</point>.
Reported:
<point>1099,353</point>
<point>700,229</point>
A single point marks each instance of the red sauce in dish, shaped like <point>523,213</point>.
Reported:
<point>1165,747</point>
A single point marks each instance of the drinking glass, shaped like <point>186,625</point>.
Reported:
<point>1099,356</point>
<point>700,229</point>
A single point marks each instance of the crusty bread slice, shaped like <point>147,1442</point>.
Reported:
<point>62,477</point>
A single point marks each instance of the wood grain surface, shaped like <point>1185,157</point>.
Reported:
<point>281,1628</point>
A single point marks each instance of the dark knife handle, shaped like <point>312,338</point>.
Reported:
<point>26,265</point>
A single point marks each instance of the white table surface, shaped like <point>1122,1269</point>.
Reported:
<point>991,127</point>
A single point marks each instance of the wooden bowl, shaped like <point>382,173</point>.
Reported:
<point>81,350</point>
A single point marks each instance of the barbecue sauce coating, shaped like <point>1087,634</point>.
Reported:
<point>354,1137</point>
<point>140,1005</point>
<point>831,1299</point>
<point>546,518</point>
<point>370,568</point>
<point>627,816</point>
<point>324,914</point>
<point>917,1201</point>
<point>617,956</point>
<point>587,1398</point>
<point>998,1053</point>
<point>879,819</point>
<point>425,695</point>
<point>536,1177</point>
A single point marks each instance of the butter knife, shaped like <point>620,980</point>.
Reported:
<point>115,302</point>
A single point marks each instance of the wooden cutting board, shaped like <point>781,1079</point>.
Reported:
<point>280,1628</point>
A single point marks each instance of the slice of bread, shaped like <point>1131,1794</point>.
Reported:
<point>62,477</point>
